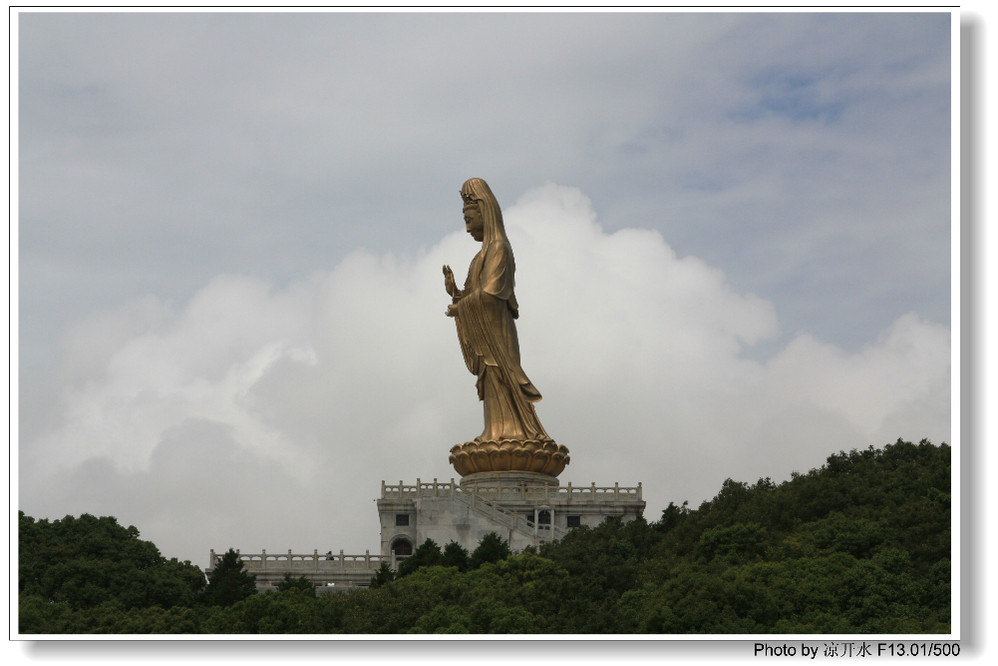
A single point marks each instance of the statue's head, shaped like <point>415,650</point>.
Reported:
<point>482,215</point>
<point>473,220</point>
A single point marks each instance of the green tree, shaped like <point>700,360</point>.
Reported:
<point>735,544</point>
<point>228,582</point>
<point>384,575</point>
<point>492,548</point>
<point>672,516</point>
<point>88,561</point>
<point>426,555</point>
<point>300,585</point>
<point>455,555</point>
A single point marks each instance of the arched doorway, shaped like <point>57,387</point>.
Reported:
<point>400,548</point>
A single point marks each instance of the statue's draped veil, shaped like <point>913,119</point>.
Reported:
<point>494,230</point>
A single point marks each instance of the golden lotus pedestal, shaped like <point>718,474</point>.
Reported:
<point>541,457</point>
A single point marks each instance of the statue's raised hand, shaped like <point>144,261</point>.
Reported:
<point>449,283</point>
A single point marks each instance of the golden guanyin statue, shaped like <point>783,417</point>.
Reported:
<point>485,311</point>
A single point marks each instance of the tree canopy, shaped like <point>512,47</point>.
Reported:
<point>859,545</point>
<point>229,582</point>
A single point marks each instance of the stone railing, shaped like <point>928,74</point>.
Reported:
<point>402,491</point>
<point>313,562</point>
<point>517,492</point>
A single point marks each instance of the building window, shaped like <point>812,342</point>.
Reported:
<point>401,548</point>
<point>543,517</point>
<point>402,520</point>
<point>575,521</point>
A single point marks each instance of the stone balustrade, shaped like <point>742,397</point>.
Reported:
<point>313,562</point>
<point>517,492</point>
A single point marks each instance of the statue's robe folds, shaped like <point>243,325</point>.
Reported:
<point>487,332</point>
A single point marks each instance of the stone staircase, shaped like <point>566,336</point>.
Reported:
<point>509,519</point>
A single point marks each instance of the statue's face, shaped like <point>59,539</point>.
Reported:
<point>474,222</point>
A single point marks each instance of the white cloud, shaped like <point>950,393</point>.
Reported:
<point>263,417</point>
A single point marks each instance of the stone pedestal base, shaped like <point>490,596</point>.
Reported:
<point>539,456</point>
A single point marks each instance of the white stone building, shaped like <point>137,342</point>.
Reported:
<point>523,508</point>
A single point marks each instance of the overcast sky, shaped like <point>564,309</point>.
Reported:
<point>732,235</point>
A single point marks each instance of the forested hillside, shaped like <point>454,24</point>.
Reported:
<point>859,545</point>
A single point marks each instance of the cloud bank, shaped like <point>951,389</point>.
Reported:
<point>264,416</point>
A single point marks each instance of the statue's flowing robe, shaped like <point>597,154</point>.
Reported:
<point>487,332</point>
